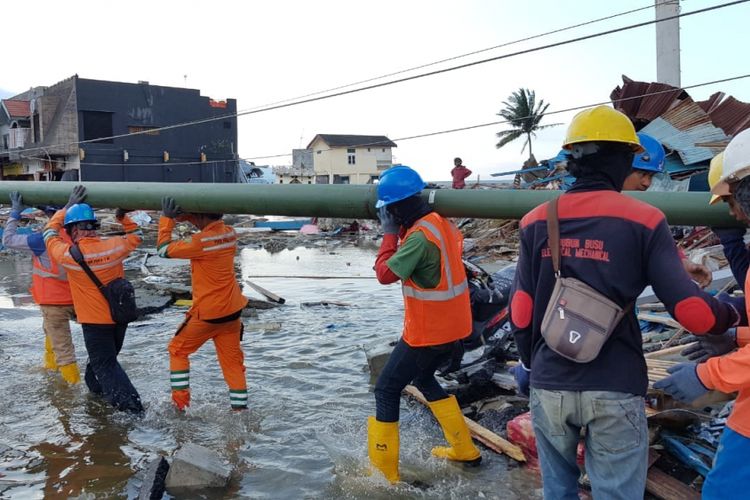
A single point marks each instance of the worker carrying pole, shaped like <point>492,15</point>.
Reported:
<point>423,250</point>
<point>103,258</point>
<point>217,301</point>
<point>722,369</point>
<point>49,289</point>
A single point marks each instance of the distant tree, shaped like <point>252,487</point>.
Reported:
<point>523,114</point>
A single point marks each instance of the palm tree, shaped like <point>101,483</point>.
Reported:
<point>523,113</point>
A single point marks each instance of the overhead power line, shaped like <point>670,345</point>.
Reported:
<point>554,112</point>
<point>460,56</point>
<point>404,79</point>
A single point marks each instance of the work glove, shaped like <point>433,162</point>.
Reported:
<point>16,204</point>
<point>77,196</point>
<point>698,272</point>
<point>388,221</point>
<point>709,346</point>
<point>683,383</point>
<point>170,208</point>
<point>523,377</point>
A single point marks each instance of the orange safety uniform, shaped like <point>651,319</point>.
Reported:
<point>103,255</point>
<point>215,313</point>
<point>49,282</point>
<point>442,314</point>
<point>731,373</point>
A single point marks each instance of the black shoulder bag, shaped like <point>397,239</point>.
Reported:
<point>119,293</point>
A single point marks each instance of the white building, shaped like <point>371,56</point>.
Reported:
<point>350,159</point>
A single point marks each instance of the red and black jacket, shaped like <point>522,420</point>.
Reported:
<point>617,245</point>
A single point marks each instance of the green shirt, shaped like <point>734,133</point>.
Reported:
<point>417,258</point>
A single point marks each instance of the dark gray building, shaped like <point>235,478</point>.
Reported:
<point>81,126</point>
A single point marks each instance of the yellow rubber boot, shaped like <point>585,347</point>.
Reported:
<point>382,447</point>
<point>70,373</point>
<point>49,356</point>
<point>449,416</point>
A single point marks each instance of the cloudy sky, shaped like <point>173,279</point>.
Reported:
<point>262,52</point>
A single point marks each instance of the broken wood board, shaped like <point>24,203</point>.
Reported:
<point>481,434</point>
<point>664,486</point>
<point>662,319</point>
<point>266,293</point>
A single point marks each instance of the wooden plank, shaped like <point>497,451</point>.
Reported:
<point>663,319</point>
<point>664,486</point>
<point>485,436</point>
<point>267,294</point>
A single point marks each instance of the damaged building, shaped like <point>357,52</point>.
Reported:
<point>93,130</point>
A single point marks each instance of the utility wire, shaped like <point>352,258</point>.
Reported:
<point>460,56</point>
<point>404,79</point>
<point>554,112</point>
<point>448,131</point>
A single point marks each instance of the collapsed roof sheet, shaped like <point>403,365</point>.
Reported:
<point>731,115</point>
<point>684,141</point>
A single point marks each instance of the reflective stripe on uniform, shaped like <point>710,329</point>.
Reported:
<point>105,253</point>
<point>238,397</point>
<point>180,379</point>
<point>162,250</point>
<point>454,289</point>
<point>230,234</point>
<point>231,244</point>
<point>47,274</point>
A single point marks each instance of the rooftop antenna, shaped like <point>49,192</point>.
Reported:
<point>184,77</point>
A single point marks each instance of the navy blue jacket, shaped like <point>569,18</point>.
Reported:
<point>617,245</point>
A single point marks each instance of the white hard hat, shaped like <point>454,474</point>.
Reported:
<point>736,163</point>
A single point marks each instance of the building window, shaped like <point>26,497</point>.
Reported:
<point>321,179</point>
<point>369,150</point>
<point>351,151</point>
<point>383,150</point>
<point>97,124</point>
<point>318,152</point>
<point>351,160</point>
<point>134,129</point>
<point>341,179</point>
<point>373,179</point>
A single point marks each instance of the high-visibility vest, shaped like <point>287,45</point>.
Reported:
<point>49,284</point>
<point>439,315</point>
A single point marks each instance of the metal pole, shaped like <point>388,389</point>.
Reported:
<point>341,201</point>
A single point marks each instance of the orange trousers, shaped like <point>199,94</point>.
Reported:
<point>191,335</point>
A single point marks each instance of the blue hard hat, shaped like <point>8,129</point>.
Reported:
<point>398,183</point>
<point>652,157</point>
<point>80,212</point>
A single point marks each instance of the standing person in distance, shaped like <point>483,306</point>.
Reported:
<point>459,173</point>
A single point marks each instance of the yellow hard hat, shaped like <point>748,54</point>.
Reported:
<point>602,123</point>
<point>715,174</point>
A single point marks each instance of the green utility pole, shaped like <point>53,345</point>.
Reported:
<point>341,201</point>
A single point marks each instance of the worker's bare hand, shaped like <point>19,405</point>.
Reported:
<point>387,221</point>
<point>77,196</point>
<point>698,272</point>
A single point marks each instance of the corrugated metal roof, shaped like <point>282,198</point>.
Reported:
<point>17,108</point>
<point>656,105</point>
<point>684,141</point>
<point>731,115</point>
<point>709,104</point>
<point>686,114</point>
<point>629,88</point>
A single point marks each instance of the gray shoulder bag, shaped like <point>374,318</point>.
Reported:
<point>578,320</point>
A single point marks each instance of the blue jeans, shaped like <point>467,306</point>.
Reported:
<point>730,475</point>
<point>409,364</point>
<point>104,375</point>
<point>616,442</point>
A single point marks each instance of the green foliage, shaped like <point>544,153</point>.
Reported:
<point>524,114</point>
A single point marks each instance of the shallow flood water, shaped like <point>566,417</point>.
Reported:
<point>310,395</point>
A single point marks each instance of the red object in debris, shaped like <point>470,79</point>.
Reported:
<point>521,433</point>
<point>217,104</point>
